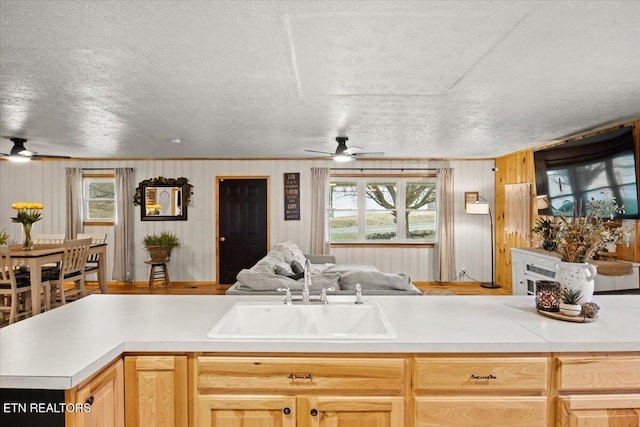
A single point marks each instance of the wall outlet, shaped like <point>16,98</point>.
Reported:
<point>461,273</point>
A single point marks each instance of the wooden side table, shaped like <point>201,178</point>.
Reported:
<point>159,272</point>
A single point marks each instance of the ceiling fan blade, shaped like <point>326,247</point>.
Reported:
<point>369,154</point>
<point>46,156</point>
<point>321,152</point>
<point>353,150</point>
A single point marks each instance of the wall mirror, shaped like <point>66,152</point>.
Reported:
<point>163,202</point>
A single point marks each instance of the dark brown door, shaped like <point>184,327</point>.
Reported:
<point>242,226</point>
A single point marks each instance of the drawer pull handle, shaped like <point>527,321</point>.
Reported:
<point>483,377</point>
<point>89,400</point>
<point>286,411</point>
<point>294,377</point>
<point>313,412</point>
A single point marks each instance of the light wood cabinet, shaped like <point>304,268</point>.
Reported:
<point>599,410</point>
<point>300,391</point>
<point>363,411</point>
<point>156,391</point>
<point>597,390</point>
<point>300,411</point>
<point>479,391</point>
<point>411,390</point>
<point>237,410</point>
<point>105,394</point>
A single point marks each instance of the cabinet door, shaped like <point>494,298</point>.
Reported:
<point>599,411</point>
<point>378,411</point>
<point>517,276</point>
<point>156,391</point>
<point>105,394</point>
<point>480,411</point>
<point>234,411</point>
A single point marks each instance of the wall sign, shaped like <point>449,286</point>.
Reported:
<point>292,196</point>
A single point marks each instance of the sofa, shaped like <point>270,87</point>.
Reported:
<point>283,267</point>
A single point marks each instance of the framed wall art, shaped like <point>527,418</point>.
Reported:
<point>470,197</point>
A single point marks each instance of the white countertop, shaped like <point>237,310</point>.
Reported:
<point>61,348</point>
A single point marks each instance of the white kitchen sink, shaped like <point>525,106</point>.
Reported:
<point>336,320</point>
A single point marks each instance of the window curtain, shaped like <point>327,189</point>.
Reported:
<point>517,210</point>
<point>319,219</point>
<point>445,250</point>
<point>123,248</point>
<point>74,202</point>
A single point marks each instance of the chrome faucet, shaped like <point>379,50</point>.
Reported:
<point>323,295</point>
<point>307,281</point>
<point>287,295</point>
<point>358,294</point>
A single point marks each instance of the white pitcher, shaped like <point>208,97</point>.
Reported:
<point>577,275</point>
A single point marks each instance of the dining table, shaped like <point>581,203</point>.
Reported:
<point>42,254</point>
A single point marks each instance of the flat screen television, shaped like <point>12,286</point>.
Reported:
<point>581,170</point>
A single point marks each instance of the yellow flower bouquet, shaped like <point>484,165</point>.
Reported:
<point>27,213</point>
<point>153,209</point>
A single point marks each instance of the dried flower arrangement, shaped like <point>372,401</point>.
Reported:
<point>577,238</point>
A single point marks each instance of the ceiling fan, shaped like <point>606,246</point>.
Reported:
<point>20,154</point>
<point>344,154</point>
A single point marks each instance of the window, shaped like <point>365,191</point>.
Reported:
<point>98,195</point>
<point>382,210</point>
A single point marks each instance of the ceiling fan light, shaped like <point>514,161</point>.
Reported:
<point>19,159</point>
<point>343,158</point>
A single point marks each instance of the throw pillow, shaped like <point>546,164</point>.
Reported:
<point>375,280</point>
<point>296,267</point>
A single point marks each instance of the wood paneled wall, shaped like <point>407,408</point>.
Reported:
<point>515,168</point>
<point>518,168</point>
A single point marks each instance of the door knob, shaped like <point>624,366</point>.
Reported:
<point>313,412</point>
<point>222,239</point>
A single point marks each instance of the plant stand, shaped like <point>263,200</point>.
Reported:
<point>159,272</point>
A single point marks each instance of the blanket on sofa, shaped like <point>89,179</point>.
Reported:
<point>283,264</point>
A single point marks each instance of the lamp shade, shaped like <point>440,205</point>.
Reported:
<point>542,202</point>
<point>478,208</point>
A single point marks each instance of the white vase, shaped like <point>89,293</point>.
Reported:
<point>575,275</point>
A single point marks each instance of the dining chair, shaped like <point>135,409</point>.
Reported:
<point>92,261</point>
<point>15,293</point>
<point>74,259</point>
<point>48,239</point>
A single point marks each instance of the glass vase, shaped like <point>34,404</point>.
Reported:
<point>27,245</point>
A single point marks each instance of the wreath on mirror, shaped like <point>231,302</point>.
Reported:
<point>175,182</point>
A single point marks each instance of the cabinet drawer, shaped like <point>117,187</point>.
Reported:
<point>598,373</point>
<point>481,411</point>
<point>310,374</point>
<point>481,373</point>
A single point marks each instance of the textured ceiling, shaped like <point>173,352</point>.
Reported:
<point>271,79</point>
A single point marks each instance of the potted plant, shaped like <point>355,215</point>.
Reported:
<point>160,245</point>
<point>570,304</point>
<point>4,237</point>
<point>546,228</point>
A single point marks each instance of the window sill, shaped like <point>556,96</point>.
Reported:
<point>382,245</point>
<point>99,223</point>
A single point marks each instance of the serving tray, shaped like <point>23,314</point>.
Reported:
<point>560,316</point>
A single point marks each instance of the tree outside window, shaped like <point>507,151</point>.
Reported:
<point>393,210</point>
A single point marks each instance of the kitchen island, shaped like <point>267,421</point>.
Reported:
<point>66,347</point>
